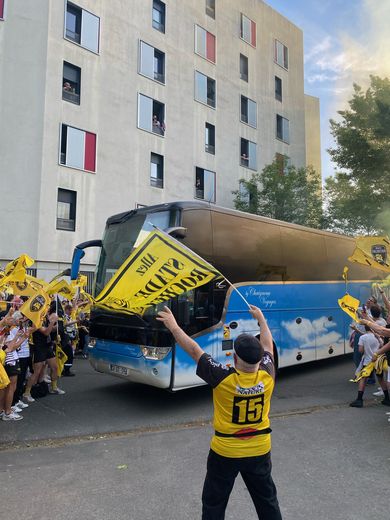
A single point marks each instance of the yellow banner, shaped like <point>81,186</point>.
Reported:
<point>350,305</point>
<point>159,269</point>
<point>373,252</point>
<point>36,307</point>
<point>61,287</point>
<point>29,286</point>
<point>15,271</point>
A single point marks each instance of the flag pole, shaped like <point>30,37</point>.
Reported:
<point>237,291</point>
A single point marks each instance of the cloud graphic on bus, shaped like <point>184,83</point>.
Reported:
<point>312,333</point>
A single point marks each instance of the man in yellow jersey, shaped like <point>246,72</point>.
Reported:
<point>242,440</point>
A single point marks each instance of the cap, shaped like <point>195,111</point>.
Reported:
<point>248,348</point>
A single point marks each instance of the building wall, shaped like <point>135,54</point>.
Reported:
<point>313,136</point>
<point>31,77</point>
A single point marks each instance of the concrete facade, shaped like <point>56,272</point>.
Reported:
<point>313,138</point>
<point>32,51</point>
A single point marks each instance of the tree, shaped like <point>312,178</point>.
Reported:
<point>292,195</point>
<point>357,200</point>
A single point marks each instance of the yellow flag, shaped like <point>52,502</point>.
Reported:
<point>15,271</point>
<point>364,372</point>
<point>36,307</point>
<point>350,305</point>
<point>61,287</point>
<point>81,281</point>
<point>61,359</point>
<point>29,286</point>
<point>159,269</point>
<point>373,252</point>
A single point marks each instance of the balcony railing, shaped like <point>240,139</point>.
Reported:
<point>73,97</point>
<point>156,183</point>
<point>159,77</point>
<point>210,148</point>
<point>74,36</point>
<point>199,193</point>
<point>65,224</point>
<point>159,26</point>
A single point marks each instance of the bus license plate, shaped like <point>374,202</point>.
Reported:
<point>123,371</point>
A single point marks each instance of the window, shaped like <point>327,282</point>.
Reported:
<point>282,128</point>
<point>248,111</point>
<point>205,89</point>
<point>281,54</point>
<point>210,8</point>
<point>204,44</point>
<point>248,154</point>
<point>278,88</point>
<point>82,27</point>
<point>2,9</point>
<point>158,17</point>
<point>283,162</point>
<point>78,148</point>
<point>71,81</point>
<point>151,62</point>
<point>205,185</point>
<point>210,138</point>
<point>243,67</point>
<point>66,210</point>
<point>151,115</point>
<point>248,30</point>
<point>156,170</point>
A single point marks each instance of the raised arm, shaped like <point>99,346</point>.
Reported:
<point>265,334</point>
<point>186,343</point>
<point>386,301</point>
<point>382,331</point>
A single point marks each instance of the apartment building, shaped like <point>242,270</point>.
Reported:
<point>108,105</point>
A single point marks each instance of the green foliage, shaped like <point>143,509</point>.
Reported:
<point>292,196</point>
<point>357,200</point>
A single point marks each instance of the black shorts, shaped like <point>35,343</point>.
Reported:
<point>41,354</point>
<point>12,370</point>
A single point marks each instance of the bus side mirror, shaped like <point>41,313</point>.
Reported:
<point>177,232</point>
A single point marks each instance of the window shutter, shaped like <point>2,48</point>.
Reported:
<point>147,60</point>
<point>253,34</point>
<point>252,156</point>
<point>90,31</point>
<point>145,112</point>
<point>210,47</point>
<point>90,152</point>
<point>200,41</point>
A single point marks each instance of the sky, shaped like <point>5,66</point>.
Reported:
<point>344,42</point>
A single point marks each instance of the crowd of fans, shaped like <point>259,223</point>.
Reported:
<point>31,354</point>
<point>370,340</point>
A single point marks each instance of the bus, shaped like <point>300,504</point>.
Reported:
<point>293,273</point>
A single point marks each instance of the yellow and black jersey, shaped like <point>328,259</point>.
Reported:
<point>241,407</point>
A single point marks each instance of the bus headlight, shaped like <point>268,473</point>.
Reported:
<point>156,353</point>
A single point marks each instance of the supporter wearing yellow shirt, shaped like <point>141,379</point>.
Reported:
<point>242,440</point>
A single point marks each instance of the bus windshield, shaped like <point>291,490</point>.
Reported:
<point>121,237</point>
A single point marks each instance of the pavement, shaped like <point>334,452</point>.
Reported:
<point>329,461</point>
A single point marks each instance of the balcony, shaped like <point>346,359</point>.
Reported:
<point>71,96</point>
<point>66,224</point>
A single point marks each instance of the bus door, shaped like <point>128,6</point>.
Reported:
<point>199,313</point>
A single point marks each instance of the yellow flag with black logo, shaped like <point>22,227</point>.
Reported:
<point>372,252</point>
<point>159,269</point>
<point>15,271</point>
<point>29,286</point>
<point>61,287</point>
<point>350,305</point>
<point>81,281</point>
<point>62,358</point>
<point>36,307</point>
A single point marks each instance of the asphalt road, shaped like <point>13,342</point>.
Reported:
<point>113,450</point>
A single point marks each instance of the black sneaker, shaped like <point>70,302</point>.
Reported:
<point>68,374</point>
<point>386,402</point>
<point>358,403</point>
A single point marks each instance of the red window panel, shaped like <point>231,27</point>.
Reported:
<point>1,8</point>
<point>253,33</point>
<point>90,152</point>
<point>210,47</point>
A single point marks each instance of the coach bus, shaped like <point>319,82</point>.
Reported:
<point>293,273</point>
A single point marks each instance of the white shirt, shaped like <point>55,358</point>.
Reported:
<point>370,345</point>
<point>24,350</point>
